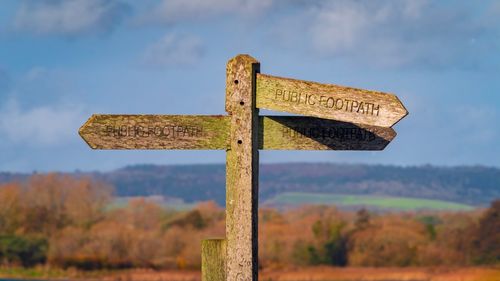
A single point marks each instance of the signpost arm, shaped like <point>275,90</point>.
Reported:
<point>242,170</point>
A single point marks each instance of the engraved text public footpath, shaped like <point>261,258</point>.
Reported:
<point>167,131</point>
<point>348,105</point>
<point>342,134</point>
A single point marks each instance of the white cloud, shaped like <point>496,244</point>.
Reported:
<point>367,31</point>
<point>392,33</point>
<point>40,85</point>
<point>44,125</point>
<point>175,10</point>
<point>69,17</point>
<point>173,49</point>
<point>387,33</point>
<point>340,29</point>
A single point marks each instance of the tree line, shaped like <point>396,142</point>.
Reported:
<point>70,222</point>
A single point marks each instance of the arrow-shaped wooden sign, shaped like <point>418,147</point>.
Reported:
<point>328,101</point>
<point>309,133</point>
<point>105,131</point>
<point>212,132</point>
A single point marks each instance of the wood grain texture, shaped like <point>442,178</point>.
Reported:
<point>213,260</point>
<point>309,133</point>
<point>103,131</point>
<point>212,132</point>
<point>329,101</point>
<point>242,170</point>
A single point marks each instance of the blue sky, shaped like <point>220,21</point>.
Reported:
<point>61,61</point>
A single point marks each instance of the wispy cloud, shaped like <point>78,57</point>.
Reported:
<point>34,111</point>
<point>173,49</point>
<point>401,33</point>
<point>70,17</point>
<point>39,86</point>
<point>410,33</point>
<point>46,125</point>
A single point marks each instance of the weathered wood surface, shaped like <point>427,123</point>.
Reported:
<point>213,260</point>
<point>103,131</point>
<point>212,132</point>
<point>309,133</point>
<point>242,170</point>
<point>329,101</point>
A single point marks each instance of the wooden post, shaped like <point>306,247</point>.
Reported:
<point>242,170</point>
<point>213,260</point>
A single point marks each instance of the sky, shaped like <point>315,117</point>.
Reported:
<point>61,61</point>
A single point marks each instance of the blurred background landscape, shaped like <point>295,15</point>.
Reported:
<point>424,209</point>
<point>322,216</point>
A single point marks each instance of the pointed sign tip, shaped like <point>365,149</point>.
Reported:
<point>82,129</point>
<point>391,136</point>
<point>405,111</point>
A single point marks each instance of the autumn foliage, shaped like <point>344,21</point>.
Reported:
<point>68,222</point>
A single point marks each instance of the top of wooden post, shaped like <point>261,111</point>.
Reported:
<point>242,61</point>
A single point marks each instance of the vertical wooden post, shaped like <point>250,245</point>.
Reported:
<point>213,260</point>
<point>242,166</point>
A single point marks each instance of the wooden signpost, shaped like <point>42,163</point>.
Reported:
<point>354,119</point>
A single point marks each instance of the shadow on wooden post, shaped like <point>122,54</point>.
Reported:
<point>213,260</point>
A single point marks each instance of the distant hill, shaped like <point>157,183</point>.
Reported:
<point>471,185</point>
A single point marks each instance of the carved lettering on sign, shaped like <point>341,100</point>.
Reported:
<point>166,131</point>
<point>343,104</point>
<point>309,133</point>
<point>342,134</point>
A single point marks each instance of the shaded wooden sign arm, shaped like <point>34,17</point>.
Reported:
<point>329,101</point>
<point>309,133</point>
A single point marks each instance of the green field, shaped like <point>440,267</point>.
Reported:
<point>379,202</point>
<point>305,198</point>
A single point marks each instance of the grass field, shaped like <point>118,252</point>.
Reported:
<point>382,202</point>
<point>289,199</point>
